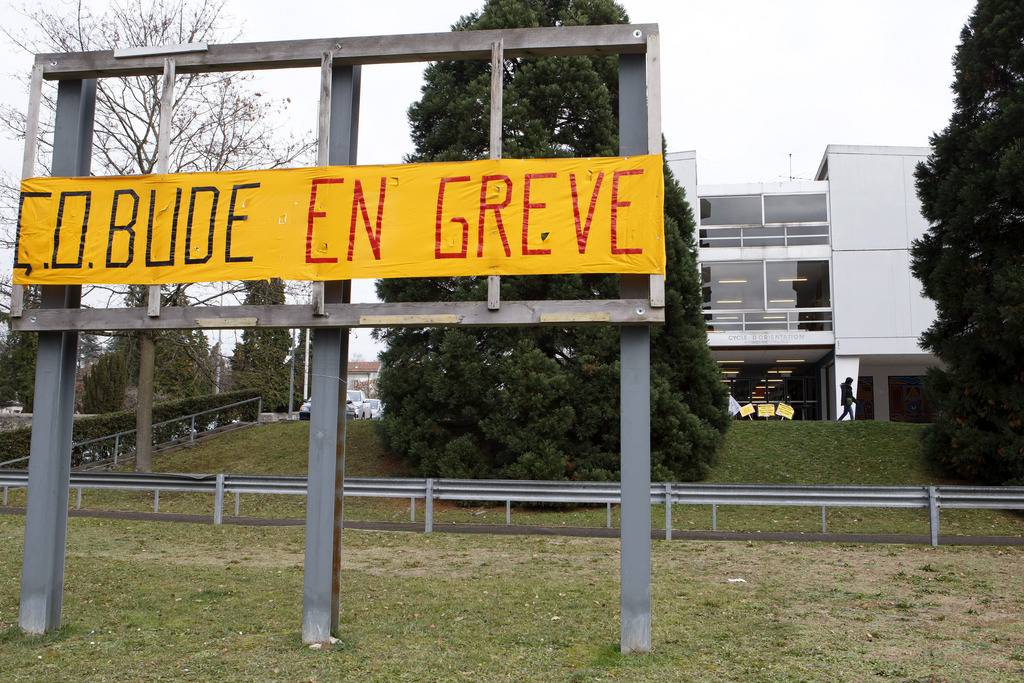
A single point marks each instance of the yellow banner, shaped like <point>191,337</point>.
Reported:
<point>508,217</point>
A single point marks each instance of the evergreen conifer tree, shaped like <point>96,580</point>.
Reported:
<point>542,403</point>
<point>105,384</point>
<point>971,261</point>
<point>259,358</point>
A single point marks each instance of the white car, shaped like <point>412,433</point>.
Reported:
<point>355,403</point>
<point>373,409</point>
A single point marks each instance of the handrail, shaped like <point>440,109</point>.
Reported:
<point>192,431</point>
<point>575,492</point>
<point>167,422</point>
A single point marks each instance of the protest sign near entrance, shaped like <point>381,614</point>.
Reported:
<point>508,217</point>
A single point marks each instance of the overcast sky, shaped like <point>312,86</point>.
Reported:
<point>745,83</point>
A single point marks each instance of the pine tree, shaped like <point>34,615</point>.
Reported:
<point>18,352</point>
<point>971,261</point>
<point>259,359</point>
<point>105,384</point>
<point>542,403</point>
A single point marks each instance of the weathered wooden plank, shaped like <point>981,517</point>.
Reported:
<point>424,47</point>
<point>425,314</point>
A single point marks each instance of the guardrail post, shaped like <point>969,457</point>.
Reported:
<point>412,509</point>
<point>238,497</point>
<point>933,514</point>
<point>668,511</point>
<point>5,496</point>
<point>78,505</point>
<point>218,505</point>
<point>714,517</point>
<point>428,504</point>
<point>508,512</point>
<point>192,431</point>
<point>156,500</point>
<point>822,519</point>
<point>117,443</point>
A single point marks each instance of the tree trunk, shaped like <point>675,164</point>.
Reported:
<point>144,411</point>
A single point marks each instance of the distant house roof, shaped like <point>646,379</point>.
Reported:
<point>364,366</point>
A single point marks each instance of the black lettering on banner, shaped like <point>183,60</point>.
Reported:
<point>228,258</point>
<point>122,228</point>
<point>60,221</point>
<point>17,234</point>
<point>150,263</point>
<point>191,216</point>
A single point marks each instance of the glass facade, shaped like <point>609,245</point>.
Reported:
<point>767,295</point>
<point>764,220</point>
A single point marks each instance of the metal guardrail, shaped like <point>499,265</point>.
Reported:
<point>932,498</point>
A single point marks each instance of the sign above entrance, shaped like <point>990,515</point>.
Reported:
<point>508,217</point>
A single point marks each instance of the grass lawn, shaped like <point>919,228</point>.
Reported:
<point>155,601</point>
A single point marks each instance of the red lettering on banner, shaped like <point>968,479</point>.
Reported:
<point>359,205</point>
<point>313,213</point>
<point>527,205</point>
<point>615,211</point>
<point>583,233</point>
<point>459,219</point>
<point>496,208</point>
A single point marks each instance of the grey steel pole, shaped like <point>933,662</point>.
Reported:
<point>324,504</point>
<point>291,383</point>
<point>635,381</point>
<point>933,514</point>
<point>46,518</point>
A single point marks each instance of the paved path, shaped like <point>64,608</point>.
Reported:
<point>524,529</point>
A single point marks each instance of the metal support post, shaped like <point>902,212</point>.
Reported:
<point>339,113</point>
<point>933,514</point>
<point>46,518</point>
<point>218,501</point>
<point>78,503</point>
<point>822,519</point>
<point>508,512</point>
<point>714,517</point>
<point>428,504</point>
<point>668,511</point>
<point>412,509</point>
<point>156,501</point>
<point>117,444</point>
<point>238,502</point>
<point>635,381</point>
<point>609,515</point>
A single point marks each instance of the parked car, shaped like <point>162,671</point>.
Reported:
<point>304,410</point>
<point>376,409</point>
<point>354,404</point>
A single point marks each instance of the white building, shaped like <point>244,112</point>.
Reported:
<point>808,282</point>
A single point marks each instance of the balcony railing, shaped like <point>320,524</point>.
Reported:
<point>804,319</point>
<point>764,236</point>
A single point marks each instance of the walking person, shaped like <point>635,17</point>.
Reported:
<point>847,398</point>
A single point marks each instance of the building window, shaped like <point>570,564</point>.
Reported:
<point>795,208</point>
<point>772,295</point>
<point>797,284</point>
<point>730,210</point>
<point>764,221</point>
<point>734,285</point>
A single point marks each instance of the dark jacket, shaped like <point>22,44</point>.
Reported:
<point>847,395</point>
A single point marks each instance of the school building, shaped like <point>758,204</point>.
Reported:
<point>808,282</point>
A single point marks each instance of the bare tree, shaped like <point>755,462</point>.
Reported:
<point>220,121</point>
